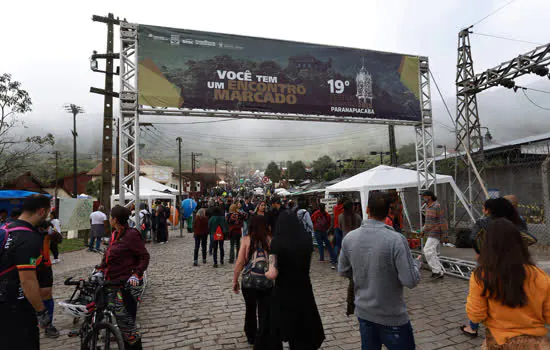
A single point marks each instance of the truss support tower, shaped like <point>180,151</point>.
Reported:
<point>129,118</point>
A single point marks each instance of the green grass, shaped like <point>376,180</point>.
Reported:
<point>71,245</point>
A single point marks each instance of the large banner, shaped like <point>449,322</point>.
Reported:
<point>74,213</point>
<point>200,70</point>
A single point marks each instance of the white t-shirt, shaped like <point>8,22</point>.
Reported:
<point>98,217</point>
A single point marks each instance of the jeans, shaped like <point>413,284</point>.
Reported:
<point>200,241</point>
<point>337,240</point>
<point>234,248</point>
<point>97,243</point>
<point>216,245</point>
<point>54,248</point>
<point>322,238</point>
<point>373,335</point>
<point>190,224</point>
<point>430,252</point>
<point>256,320</point>
<point>211,244</point>
<point>162,233</point>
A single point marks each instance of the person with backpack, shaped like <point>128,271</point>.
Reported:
<point>321,224</point>
<point>145,222</point>
<point>253,263</point>
<point>305,220</point>
<point>218,228</point>
<point>21,306</point>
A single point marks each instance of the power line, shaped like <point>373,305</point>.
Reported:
<point>533,102</point>
<point>509,39</point>
<point>205,122</point>
<point>442,99</point>
<point>494,12</point>
<point>526,88</point>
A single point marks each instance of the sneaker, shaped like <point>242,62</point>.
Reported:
<point>162,242</point>
<point>195,264</point>
<point>55,261</point>
<point>436,276</point>
<point>51,332</point>
<point>215,266</point>
<point>333,267</point>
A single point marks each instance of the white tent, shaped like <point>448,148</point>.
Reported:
<point>386,177</point>
<point>149,191</point>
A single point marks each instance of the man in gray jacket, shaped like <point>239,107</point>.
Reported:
<point>380,263</point>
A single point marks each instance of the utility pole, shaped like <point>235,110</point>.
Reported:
<point>180,182</point>
<point>381,155</point>
<point>108,93</point>
<point>227,165</point>
<point>216,169</point>
<point>74,110</point>
<point>393,147</point>
<point>193,168</point>
<point>56,177</point>
<point>117,170</point>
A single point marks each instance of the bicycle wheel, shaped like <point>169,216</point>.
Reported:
<point>101,338</point>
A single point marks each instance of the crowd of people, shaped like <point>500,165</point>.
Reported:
<point>271,247</point>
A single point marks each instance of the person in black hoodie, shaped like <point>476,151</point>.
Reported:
<point>295,317</point>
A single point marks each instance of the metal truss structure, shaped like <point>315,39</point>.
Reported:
<point>425,145</point>
<point>129,118</point>
<point>130,113</point>
<point>453,267</point>
<point>469,142</point>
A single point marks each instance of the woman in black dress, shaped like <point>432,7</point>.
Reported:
<point>295,316</point>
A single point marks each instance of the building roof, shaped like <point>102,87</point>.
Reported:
<point>99,169</point>
<point>493,147</point>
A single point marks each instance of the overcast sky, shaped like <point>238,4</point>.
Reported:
<point>46,44</point>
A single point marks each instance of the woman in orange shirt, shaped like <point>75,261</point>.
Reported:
<point>508,292</point>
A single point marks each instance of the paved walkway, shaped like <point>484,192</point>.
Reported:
<point>186,307</point>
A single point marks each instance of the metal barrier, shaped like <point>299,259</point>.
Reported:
<point>453,267</point>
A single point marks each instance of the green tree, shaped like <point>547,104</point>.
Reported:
<point>273,172</point>
<point>322,166</point>
<point>17,153</point>
<point>93,188</point>
<point>406,154</point>
<point>297,170</point>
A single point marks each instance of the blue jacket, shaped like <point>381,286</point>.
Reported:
<point>188,206</point>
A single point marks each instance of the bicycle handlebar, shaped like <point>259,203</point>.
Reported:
<point>70,282</point>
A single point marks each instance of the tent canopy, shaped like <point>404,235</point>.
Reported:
<point>17,194</point>
<point>383,177</point>
<point>149,189</point>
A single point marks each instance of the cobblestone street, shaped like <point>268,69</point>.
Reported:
<point>186,307</point>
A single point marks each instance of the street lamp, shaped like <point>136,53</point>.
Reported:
<point>381,155</point>
<point>74,110</point>
<point>488,137</point>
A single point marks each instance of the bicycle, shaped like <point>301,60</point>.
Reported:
<point>99,330</point>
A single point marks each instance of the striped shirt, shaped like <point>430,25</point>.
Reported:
<point>435,225</point>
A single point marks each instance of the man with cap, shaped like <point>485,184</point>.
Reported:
<point>435,229</point>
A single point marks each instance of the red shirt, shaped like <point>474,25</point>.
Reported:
<point>338,209</point>
<point>126,256</point>
<point>200,226</point>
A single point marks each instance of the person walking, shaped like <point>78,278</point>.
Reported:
<point>188,207</point>
<point>321,223</point>
<point>235,221</point>
<point>145,222</point>
<point>44,274</point>
<point>162,214</point>
<point>21,307</point>
<point>126,259</point>
<point>218,228</point>
<point>248,208</point>
<point>349,221</point>
<point>509,292</point>
<point>256,288</point>
<point>295,317</point>
<point>435,228</point>
<point>338,235</point>
<point>98,220</point>
<point>55,236</point>
<point>200,233</point>
<point>380,263</point>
